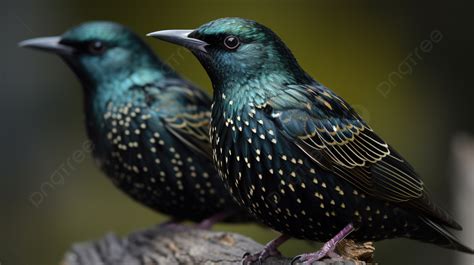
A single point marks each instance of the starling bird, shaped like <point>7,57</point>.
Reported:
<point>296,155</point>
<point>149,127</point>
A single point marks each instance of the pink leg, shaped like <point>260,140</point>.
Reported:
<point>326,250</point>
<point>209,222</point>
<point>269,250</point>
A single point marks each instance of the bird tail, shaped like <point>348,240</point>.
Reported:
<point>434,233</point>
<point>436,213</point>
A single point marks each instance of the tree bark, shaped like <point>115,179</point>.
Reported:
<point>178,245</point>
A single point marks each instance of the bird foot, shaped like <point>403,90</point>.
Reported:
<point>326,250</point>
<point>269,250</point>
<point>261,256</point>
<point>333,255</point>
<point>310,258</point>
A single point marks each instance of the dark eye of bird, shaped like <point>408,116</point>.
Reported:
<point>231,42</point>
<point>96,47</point>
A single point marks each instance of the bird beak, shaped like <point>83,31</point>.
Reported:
<point>48,44</point>
<point>180,37</point>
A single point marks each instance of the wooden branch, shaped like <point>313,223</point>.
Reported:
<point>160,245</point>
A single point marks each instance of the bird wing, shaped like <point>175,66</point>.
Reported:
<point>192,129</point>
<point>186,113</point>
<point>333,135</point>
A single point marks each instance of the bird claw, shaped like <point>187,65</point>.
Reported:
<point>308,259</point>
<point>326,250</point>
<point>333,255</point>
<point>295,259</point>
<point>259,257</point>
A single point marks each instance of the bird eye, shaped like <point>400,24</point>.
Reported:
<point>231,42</point>
<point>96,47</point>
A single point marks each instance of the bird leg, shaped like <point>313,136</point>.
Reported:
<point>326,250</point>
<point>207,223</point>
<point>269,250</point>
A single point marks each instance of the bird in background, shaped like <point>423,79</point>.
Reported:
<point>297,156</point>
<point>148,126</point>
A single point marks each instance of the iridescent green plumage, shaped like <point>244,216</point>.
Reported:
<point>149,126</point>
<point>296,155</point>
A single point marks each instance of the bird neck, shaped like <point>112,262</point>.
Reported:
<point>234,94</point>
<point>118,89</point>
<point>254,83</point>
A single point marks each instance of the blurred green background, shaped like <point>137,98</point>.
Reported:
<point>351,48</point>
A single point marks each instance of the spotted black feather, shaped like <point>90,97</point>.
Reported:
<point>296,155</point>
<point>149,126</point>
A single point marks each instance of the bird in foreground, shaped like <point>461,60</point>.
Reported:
<point>148,126</point>
<point>297,156</point>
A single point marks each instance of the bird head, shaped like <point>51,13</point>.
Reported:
<point>235,48</point>
<point>98,51</point>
